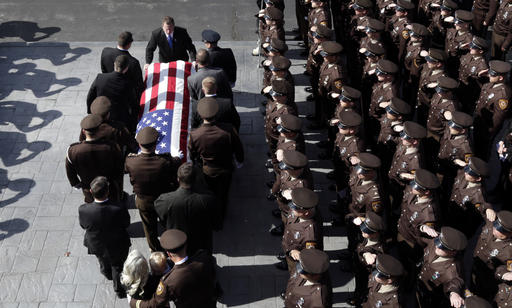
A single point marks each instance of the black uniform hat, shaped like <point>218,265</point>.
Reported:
<point>173,239</point>
<point>207,107</point>
<point>280,63</point>
<point>147,135</point>
<point>386,67</point>
<point>374,50</point>
<point>101,105</point>
<point>293,160</point>
<point>451,239</point>
<point>398,107</point>
<point>349,118</point>
<point>91,122</point>
<point>460,120</point>
<point>367,162</point>
<point>289,123</point>
<point>373,223</point>
<point>479,43</point>
<point>436,55</point>
<point>312,261</point>
<point>279,87</point>
<point>498,67</point>
<point>476,302</point>
<point>349,94</point>
<point>419,30</point>
<point>276,45</point>
<point>322,32</point>
<point>413,130</point>
<point>330,48</point>
<point>387,266</point>
<point>449,5</point>
<point>273,13</point>
<point>210,36</point>
<point>447,83</point>
<point>463,16</point>
<point>477,167</point>
<point>404,5</point>
<point>425,180</point>
<point>503,222</point>
<point>303,199</point>
<point>374,25</point>
<point>362,4</point>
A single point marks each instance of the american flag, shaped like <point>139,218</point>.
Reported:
<point>165,105</point>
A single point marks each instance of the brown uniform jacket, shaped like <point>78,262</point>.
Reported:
<point>490,6</point>
<point>470,66</point>
<point>88,159</point>
<point>366,197</point>
<point>493,105</point>
<point>302,234</point>
<point>414,215</point>
<point>215,144</point>
<point>381,92</point>
<point>328,73</point>
<point>454,147</point>
<point>457,42</point>
<point>436,121</point>
<point>412,60</point>
<point>427,76</point>
<point>380,296</point>
<point>404,162</point>
<point>188,285</point>
<point>303,294</point>
<point>115,131</point>
<point>397,28</point>
<point>285,181</point>
<point>297,144</point>
<point>496,255</point>
<point>466,194</point>
<point>348,146</point>
<point>274,111</point>
<point>271,32</point>
<point>376,248</point>
<point>441,274</point>
<point>152,174</point>
<point>503,23</point>
<point>387,134</point>
<point>504,296</point>
<point>314,60</point>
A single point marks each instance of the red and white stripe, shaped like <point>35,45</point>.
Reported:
<point>166,88</point>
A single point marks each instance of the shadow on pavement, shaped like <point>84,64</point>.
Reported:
<point>26,30</point>
<point>11,227</point>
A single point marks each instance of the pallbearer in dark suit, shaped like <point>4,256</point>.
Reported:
<point>173,44</point>
<point>191,281</point>
<point>109,55</point>
<point>151,175</point>
<point>105,224</point>
<point>220,57</point>
<point>94,157</point>
<point>214,146</point>
<point>119,89</point>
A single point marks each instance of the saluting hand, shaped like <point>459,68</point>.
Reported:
<point>295,254</point>
<point>456,300</point>
<point>490,214</point>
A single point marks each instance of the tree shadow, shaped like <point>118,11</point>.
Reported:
<point>11,227</point>
<point>26,30</point>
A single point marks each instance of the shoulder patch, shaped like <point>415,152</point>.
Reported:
<point>160,288</point>
<point>509,265</point>
<point>323,23</point>
<point>478,205</point>
<point>430,224</point>
<point>405,34</point>
<point>310,245</point>
<point>338,84</point>
<point>376,206</point>
<point>467,156</point>
<point>503,104</point>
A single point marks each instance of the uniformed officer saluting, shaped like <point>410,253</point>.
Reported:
<point>191,281</point>
<point>493,256</point>
<point>384,285</point>
<point>311,285</point>
<point>440,279</point>
<point>151,175</point>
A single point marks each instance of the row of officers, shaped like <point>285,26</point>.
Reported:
<point>415,89</point>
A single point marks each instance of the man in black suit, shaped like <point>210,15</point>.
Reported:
<point>227,112</point>
<point>191,212</point>
<point>220,57</point>
<point>204,70</point>
<point>118,88</point>
<point>109,55</point>
<point>173,44</point>
<point>105,226</point>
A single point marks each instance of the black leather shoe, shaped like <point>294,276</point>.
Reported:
<point>323,144</point>
<point>334,207</point>
<point>276,213</point>
<point>121,294</point>
<point>281,265</point>
<point>264,103</point>
<point>346,266</point>
<point>282,295</point>
<point>338,221</point>
<point>301,44</point>
<point>308,89</point>
<point>277,231</point>
<point>310,98</point>
<point>332,187</point>
<point>281,256</point>
<point>324,155</point>
<point>354,301</point>
<point>345,254</point>
<point>270,184</point>
<point>263,111</point>
<point>271,197</point>
<point>304,53</point>
<point>331,175</point>
<point>306,73</point>
<point>269,164</point>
